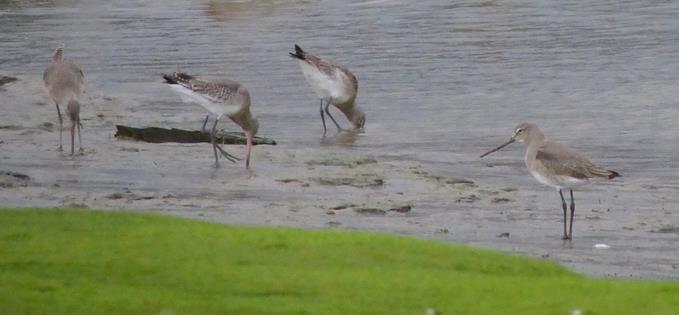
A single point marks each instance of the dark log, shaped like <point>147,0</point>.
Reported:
<point>5,79</point>
<point>160,135</point>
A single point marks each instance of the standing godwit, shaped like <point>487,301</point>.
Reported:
<point>555,165</point>
<point>64,82</point>
<point>334,84</point>
<point>219,97</point>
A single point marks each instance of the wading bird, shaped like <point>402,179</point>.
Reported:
<point>334,85</point>
<point>555,165</point>
<point>219,97</point>
<point>64,82</point>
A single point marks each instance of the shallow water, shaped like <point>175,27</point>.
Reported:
<point>440,84</point>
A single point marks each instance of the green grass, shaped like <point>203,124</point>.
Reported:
<point>85,262</point>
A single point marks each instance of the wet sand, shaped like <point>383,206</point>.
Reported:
<point>440,83</point>
<point>330,185</point>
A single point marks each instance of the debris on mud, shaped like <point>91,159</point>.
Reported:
<point>358,181</point>
<point>370,211</point>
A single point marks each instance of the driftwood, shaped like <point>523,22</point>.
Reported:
<point>160,135</point>
<point>5,79</point>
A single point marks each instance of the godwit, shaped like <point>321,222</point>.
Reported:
<point>64,82</point>
<point>219,97</point>
<point>334,84</point>
<point>555,165</point>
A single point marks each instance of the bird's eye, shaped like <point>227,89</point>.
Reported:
<point>519,130</point>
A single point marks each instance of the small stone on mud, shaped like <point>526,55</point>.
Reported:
<point>344,162</point>
<point>9,179</point>
<point>442,231</point>
<point>501,200</point>
<point>402,209</point>
<point>78,205</point>
<point>667,229</point>
<point>503,235</point>
<point>18,175</point>
<point>288,180</point>
<point>333,223</point>
<point>46,126</point>
<point>126,149</point>
<point>468,199</point>
<point>454,181</point>
<point>330,212</point>
<point>370,211</point>
<point>359,181</point>
<point>343,206</point>
<point>293,180</point>
<point>129,195</point>
<point>115,195</point>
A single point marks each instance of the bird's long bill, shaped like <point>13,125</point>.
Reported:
<point>500,147</point>
<point>248,148</point>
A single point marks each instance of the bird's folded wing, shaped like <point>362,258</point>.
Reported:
<point>566,162</point>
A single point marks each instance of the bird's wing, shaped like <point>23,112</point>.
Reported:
<point>566,162</point>
<point>64,75</point>
<point>214,91</point>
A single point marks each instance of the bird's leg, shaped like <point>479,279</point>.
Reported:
<point>73,138</point>
<point>325,130</point>
<point>80,139</point>
<point>216,147</point>
<point>227,155</point>
<point>570,229</point>
<point>327,111</point>
<point>214,141</point>
<point>565,214</point>
<point>61,126</point>
<point>205,123</point>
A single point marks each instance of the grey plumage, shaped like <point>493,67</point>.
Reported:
<point>555,165</point>
<point>65,82</point>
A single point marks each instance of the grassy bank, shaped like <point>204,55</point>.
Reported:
<point>83,262</point>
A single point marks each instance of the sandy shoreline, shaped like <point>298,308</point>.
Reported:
<point>329,186</point>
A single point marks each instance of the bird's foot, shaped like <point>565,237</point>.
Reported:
<point>566,238</point>
<point>228,155</point>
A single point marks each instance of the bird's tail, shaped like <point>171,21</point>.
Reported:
<point>73,111</point>
<point>299,53</point>
<point>177,78</point>
<point>602,172</point>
